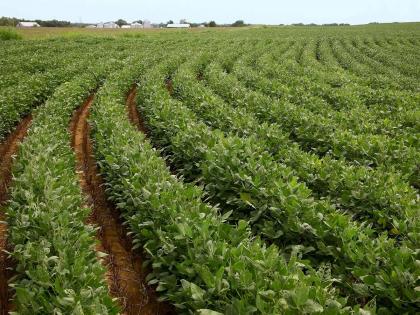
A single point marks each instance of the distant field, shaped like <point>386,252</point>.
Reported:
<point>54,32</point>
<point>260,170</point>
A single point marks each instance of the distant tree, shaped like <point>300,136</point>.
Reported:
<point>121,22</point>
<point>138,21</point>
<point>238,23</point>
<point>170,22</point>
<point>53,23</point>
<point>212,24</point>
<point>7,21</point>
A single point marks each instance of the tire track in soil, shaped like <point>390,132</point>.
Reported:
<point>7,150</point>
<point>133,113</point>
<point>125,275</point>
<point>138,122</point>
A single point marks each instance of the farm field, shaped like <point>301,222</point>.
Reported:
<point>264,170</point>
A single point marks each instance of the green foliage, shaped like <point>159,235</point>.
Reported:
<point>8,21</point>
<point>359,189</point>
<point>293,180</point>
<point>200,263</point>
<point>27,80</point>
<point>53,23</point>
<point>238,23</point>
<point>121,22</point>
<point>240,176</point>
<point>9,34</point>
<point>57,269</point>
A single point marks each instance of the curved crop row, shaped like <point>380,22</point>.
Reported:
<point>379,197</point>
<point>346,104</point>
<point>200,263</point>
<point>318,134</point>
<point>23,93</point>
<point>241,176</point>
<point>57,269</point>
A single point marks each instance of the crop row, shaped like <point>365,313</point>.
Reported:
<point>241,176</point>
<point>21,92</point>
<point>276,175</point>
<point>337,99</point>
<point>309,82</point>
<point>320,134</point>
<point>372,66</point>
<point>403,63</point>
<point>199,262</point>
<point>381,198</point>
<point>356,64</point>
<point>57,270</point>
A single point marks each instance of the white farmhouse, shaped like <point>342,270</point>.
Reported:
<point>178,25</point>
<point>27,24</point>
<point>110,25</point>
<point>126,26</point>
<point>136,25</point>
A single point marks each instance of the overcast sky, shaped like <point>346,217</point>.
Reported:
<point>222,11</point>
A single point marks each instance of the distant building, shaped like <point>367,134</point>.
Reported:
<point>178,26</point>
<point>136,25</point>
<point>110,25</point>
<point>91,26</point>
<point>147,24</point>
<point>125,26</point>
<point>100,25</point>
<point>27,24</point>
<point>201,25</point>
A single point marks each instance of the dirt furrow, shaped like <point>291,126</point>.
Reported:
<point>125,276</point>
<point>133,113</point>
<point>7,150</point>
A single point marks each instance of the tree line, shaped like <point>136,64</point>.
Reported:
<point>12,21</point>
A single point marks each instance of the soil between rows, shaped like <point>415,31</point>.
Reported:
<point>125,275</point>
<point>8,150</point>
<point>133,113</point>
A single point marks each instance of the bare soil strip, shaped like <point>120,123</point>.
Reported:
<point>133,113</point>
<point>7,150</point>
<point>125,276</point>
<point>170,86</point>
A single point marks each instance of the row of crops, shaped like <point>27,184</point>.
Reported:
<point>272,171</point>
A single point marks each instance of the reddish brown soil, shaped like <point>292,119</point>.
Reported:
<point>7,150</point>
<point>170,86</point>
<point>133,113</point>
<point>125,276</point>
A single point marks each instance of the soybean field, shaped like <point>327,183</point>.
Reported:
<point>263,170</point>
